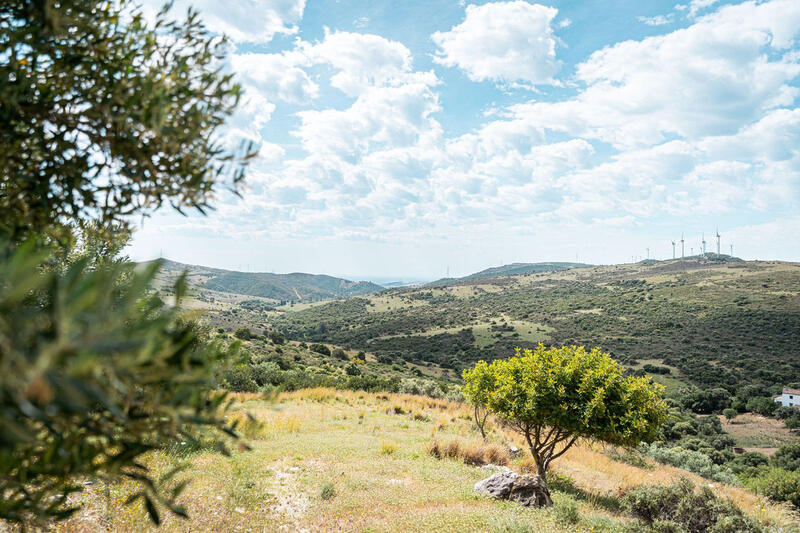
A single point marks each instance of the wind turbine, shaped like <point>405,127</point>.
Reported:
<point>703,242</point>
<point>648,253</point>
<point>718,240</point>
<point>731,250</point>
<point>681,246</point>
<point>673,249</point>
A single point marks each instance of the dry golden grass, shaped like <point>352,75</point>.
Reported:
<point>374,467</point>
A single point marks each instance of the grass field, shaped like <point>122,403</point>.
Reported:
<point>758,433</point>
<point>324,460</point>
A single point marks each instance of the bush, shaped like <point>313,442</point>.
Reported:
<point>729,413</point>
<point>566,509</point>
<point>239,379</point>
<point>677,507</point>
<point>277,337</point>
<point>352,369</point>
<point>693,461</point>
<point>761,405</point>
<point>421,387</point>
<point>327,491</point>
<point>787,457</point>
<point>778,484</point>
<point>243,333</point>
<point>320,349</point>
<point>338,353</point>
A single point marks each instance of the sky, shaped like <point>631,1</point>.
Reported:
<point>410,139</point>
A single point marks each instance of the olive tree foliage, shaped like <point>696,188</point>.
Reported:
<point>92,376</point>
<point>103,115</point>
<point>555,396</point>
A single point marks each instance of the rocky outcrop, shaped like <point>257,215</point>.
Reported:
<point>527,490</point>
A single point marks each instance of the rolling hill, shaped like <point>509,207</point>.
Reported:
<point>713,321</point>
<point>294,287</point>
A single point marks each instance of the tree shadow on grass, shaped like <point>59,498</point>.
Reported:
<point>566,485</point>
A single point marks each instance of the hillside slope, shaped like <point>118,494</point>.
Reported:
<point>297,287</point>
<point>715,322</point>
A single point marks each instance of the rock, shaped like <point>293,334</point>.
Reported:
<point>497,485</point>
<point>527,490</point>
<point>530,491</point>
<point>513,450</point>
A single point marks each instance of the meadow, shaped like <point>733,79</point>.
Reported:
<point>329,460</point>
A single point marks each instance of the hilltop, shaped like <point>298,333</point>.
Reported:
<point>277,288</point>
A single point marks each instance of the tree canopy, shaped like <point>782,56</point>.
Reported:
<point>103,115</point>
<point>555,396</point>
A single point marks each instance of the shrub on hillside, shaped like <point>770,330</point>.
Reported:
<point>243,333</point>
<point>277,337</point>
<point>693,461</point>
<point>422,387</point>
<point>678,508</point>
<point>787,457</point>
<point>239,379</point>
<point>777,484</point>
<point>352,369</point>
<point>761,405</point>
<point>338,353</point>
<point>320,349</point>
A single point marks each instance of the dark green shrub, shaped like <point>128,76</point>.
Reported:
<point>338,353</point>
<point>762,405</point>
<point>353,369</point>
<point>277,337</point>
<point>787,457</point>
<point>678,507</point>
<point>320,349</point>
<point>243,333</point>
<point>240,379</point>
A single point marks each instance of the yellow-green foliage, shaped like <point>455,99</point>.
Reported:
<point>579,392</point>
<point>554,396</point>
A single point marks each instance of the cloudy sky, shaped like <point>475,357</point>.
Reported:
<point>400,139</point>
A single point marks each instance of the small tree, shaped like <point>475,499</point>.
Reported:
<point>555,396</point>
<point>729,414</point>
<point>243,333</point>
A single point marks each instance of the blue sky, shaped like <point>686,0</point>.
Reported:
<point>402,138</point>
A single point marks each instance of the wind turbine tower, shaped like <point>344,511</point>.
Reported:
<point>731,250</point>
<point>673,249</point>
<point>718,240</point>
<point>648,253</point>
<point>681,246</point>
<point>703,242</point>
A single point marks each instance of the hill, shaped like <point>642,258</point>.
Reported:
<point>516,269</point>
<point>708,321</point>
<point>294,287</point>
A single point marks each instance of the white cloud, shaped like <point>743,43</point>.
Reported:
<point>253,21</point>
<point>280,76</point>
<point>362,60</point>
<point>504,42</point>
<point>658,20</point>
<point>708,79</point>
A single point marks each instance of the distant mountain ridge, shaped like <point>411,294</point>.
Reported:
<point>513,269</point>
<point>296,286</point>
